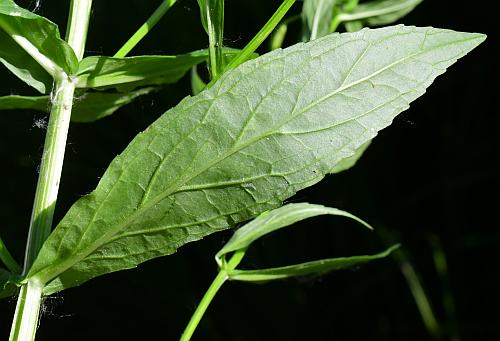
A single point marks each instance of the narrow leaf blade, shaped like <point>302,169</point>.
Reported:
<point>265,130</point>
<point>318,267</point>
<point>126,74</point>
<point>276,219</point>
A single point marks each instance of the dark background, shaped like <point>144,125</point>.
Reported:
<point>434,172</point>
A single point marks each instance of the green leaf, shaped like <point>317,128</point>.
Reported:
<point>317,16</point>
<point>265,130</point>
<point>380,12</point>
<point>8,282</point>
<point>318,267</point>
<point>13,102</point>
<point>31,47</point>
<point>349,162</point>
<point>7,259</point>
<point>197,83</point>
<point>274,220</point>
<point>92,106</point>
<point>126,74</point>
<point>353,26</point>
<point>88,107</point>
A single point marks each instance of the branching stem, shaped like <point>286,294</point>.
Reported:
<point>217,283</point>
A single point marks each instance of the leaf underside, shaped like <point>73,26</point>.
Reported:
<point>265,130</point>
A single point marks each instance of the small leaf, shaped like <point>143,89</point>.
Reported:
<point>31,47</point>
<point>380,12</point>
<point>317,267</point>
<point>317,16</point>
<point>263,131</point>
<point>349,162</point>
<point>8,282</point>
<point>274,220</point>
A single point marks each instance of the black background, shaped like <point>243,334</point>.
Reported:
<point>433,172</point>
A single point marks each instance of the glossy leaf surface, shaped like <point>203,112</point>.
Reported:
<point>265,130</point>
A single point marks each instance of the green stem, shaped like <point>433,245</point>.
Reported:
<point>217,283</point>
<point>7,259</point>
<point>214,12</point>
<point>145,28</point>
<point>28,304</point>
<point>262,34</point>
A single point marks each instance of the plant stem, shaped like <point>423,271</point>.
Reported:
<point>7,259</point>
<point>28,307</point>
<point>28,304</point>
<point>145,28</point>
<point>217,283</point>
<point>50,170</point>
<point>262,34</point>
<point>78,24</point>
<point>215,16</point>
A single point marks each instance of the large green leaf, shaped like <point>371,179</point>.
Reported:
<point>274,220</point>
<point>317,16</point>
<point>88,107</point>
<point>317,267</point>
<point>31,47</point>
<point>265,130</point>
